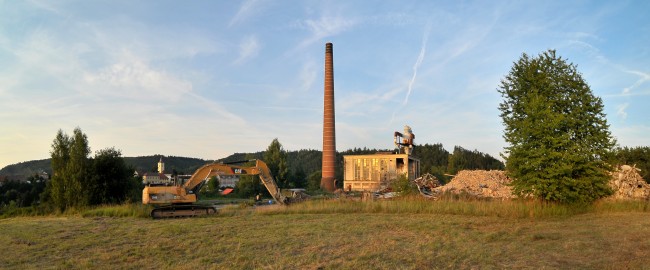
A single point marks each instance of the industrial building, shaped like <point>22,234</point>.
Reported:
<point>376,171</point>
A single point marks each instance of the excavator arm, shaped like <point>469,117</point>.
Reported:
<point>217,169</point>
<point>171,198</point>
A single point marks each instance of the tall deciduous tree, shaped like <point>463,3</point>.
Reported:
<point>556,130</point>
<point>276,158</point>
<point>60,157</point>
<point>77,192</point>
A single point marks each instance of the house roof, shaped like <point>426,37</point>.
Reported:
<point>160,175</point>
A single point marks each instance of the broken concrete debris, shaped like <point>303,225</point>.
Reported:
<point>627,183</point>
<point>479,183</point>
<point>426,185</point>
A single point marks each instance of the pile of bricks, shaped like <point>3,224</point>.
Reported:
<point>627,183</point>
<point>479,183</point>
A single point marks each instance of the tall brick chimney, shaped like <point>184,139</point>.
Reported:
<point>329,135</point>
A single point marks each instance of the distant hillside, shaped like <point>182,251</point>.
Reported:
<point>27,168</point>
<point>182,165</point>
<point>241,157</point>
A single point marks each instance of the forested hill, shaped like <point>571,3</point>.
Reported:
<point>27,168</point>
<point>181,165</point>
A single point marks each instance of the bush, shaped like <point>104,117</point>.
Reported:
<point>403,185</point>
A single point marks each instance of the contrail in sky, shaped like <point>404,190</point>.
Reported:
<point>425,38</point>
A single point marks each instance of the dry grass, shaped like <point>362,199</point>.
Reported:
<point>340,235</point>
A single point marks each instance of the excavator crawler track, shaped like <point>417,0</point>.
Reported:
<point>181,211</point>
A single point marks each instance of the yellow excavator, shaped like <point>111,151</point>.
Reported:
<point>180,200</point>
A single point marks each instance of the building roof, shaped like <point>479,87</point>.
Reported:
<point>160,175</point>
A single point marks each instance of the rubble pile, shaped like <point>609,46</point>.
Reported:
<point>628,184</point>
<point>480,183</point>
<point>426,184</point>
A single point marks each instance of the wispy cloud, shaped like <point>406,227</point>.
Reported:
<point>595,53</point>
<point>418,62</point>
<point>248,49</point>
<point>247,9</point>
<point>308,75</point>
<point>416,66</point>
<point>362,103</point>
<point>621,110</point>
<point>325,26</point>
<point>590,50</point>
<point>138,81</point>
<point>643,78</point>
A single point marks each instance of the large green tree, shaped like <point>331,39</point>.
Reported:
<point>276,158</point>
<point>111,178</point>
<point>557,132</point>
<point>60,157</point>
<point>77,192</point>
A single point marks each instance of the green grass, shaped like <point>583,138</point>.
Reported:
<point>408,233</point>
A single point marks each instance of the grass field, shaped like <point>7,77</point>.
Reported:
<point>411,234</point>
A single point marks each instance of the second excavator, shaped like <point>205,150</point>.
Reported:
<point>180,200</point>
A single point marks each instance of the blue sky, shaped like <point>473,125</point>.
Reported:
<point>209,78</point>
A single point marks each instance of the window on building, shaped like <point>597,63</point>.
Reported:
<point>357,169</point>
